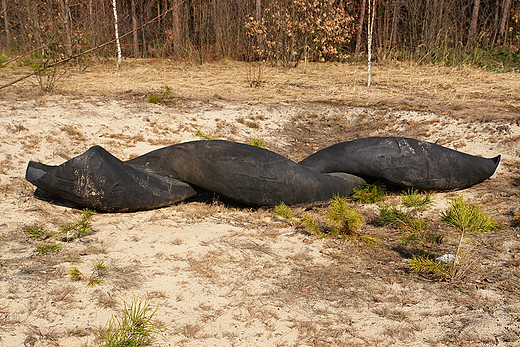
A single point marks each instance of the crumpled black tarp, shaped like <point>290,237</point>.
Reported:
<point>98,180</point>
<point>404,162</point>
<point>252,175</point>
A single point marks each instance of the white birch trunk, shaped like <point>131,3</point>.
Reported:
<point>371,18</point>
<point>116,28</point>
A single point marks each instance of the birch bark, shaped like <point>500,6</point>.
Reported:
<point>371,18</point>
<point>116,29</point>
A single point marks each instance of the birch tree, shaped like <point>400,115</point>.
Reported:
<point>371,18</point>
<point>116,29</point>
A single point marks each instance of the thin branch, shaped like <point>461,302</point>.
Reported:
<point>64,60</point>
<point>8,61</point>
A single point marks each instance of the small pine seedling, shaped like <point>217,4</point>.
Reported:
<point>424,265</point>
<point>415,229</point>
<point>516,219</point>
<point>369,241</point>
<point>48,248</point>
<point>392,215</point>
<point>136,327</point>
<point>99,270</point>
<point>257,142</point>
<point>162,96</point>
<point>369,193</point>
<point>80,228</point>
<point>416,201</point>
<point>311,225</point>
<point>38,232</point>
<point>199,133</point>
<point>344,220</point>
<point>283,211</point>
<point>467,219</point>
<point>75,274</point>
<point>94,281</point>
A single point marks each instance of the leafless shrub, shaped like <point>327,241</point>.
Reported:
<point>298,30</point>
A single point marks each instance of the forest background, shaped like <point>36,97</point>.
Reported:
<point>484,33</point>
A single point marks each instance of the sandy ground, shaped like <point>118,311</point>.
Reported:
<point>223,275</point>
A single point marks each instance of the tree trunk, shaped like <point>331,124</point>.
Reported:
<point>65,14</point>
<point>474,21</point>
<point>258,17</point>
<point>360,27</point>
<point>506,7</point>
<point>6,22</point>
<point>176,27</point>
<point>33,31</point>
<point>395,19</point>
<point>134,29</point>
<point>217,28</point>
<point>371,18</point>
<point>116,30</point>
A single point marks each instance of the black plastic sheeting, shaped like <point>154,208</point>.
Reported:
<point>98,180</point>
<point>245,173</point>
<point>404,162</point>
<point>252,175</point>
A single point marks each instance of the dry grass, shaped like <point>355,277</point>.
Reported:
<point>458,91</point>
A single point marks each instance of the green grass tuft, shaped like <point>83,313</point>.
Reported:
<point>48,248</point>
<point>161,96</point>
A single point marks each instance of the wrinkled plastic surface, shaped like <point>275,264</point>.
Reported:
<point>245,173</point>
<point>252,175</point>
<point>404,162</point>
<point>98,180</point>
